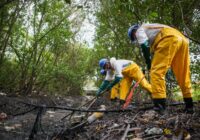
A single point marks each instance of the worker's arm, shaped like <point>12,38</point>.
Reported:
<point>114,82</point>
<point>102,87</point>
<point>146,52</point>
<point>142,39</point>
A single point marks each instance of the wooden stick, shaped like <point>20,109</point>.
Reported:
<point>126,132</point>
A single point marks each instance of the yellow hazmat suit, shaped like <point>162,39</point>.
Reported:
<point>115,91</point>
<point>130,73</point>
<point>170,49</point>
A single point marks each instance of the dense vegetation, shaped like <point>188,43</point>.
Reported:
<point>39,52</point>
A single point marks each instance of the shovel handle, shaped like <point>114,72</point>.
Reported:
<point>129,97</point>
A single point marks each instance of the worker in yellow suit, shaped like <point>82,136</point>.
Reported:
<point>121,73</point>
<point>170,48</point>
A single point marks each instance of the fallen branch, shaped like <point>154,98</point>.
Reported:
<point>25,112</point>
<point>70,114</point>
<point>79,126</point>
<point>83,110</point>
<point>126,132</point>
<point>36,124</point>
<point>106,111</point>
<point>152,137</point>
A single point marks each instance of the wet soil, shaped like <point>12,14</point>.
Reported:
<point>173,124</point>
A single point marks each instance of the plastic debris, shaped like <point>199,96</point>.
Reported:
<point>3,94</point>
<point>153,131</point>
<point>96,115</point>
<point>9,128</point>
<point>3,116</point>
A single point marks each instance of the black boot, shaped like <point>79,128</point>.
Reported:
<point>188,105</point>
<point>113,100</point>
<point>121,102</point>
<point>159,105</point>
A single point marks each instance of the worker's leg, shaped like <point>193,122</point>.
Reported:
<point>125,85</point>
<point>159,66</point>
<point>144,83</point>
<point>166,46</point>
<point>133,71</point>
<point>181,68</point>
<point>115,92</point>
<point>164,52</point>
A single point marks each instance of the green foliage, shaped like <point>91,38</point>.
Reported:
<point>40,51</point>
<point>196,92</point>
<point>70,72</point>
<point>116,16</point>
<point>9,76</point>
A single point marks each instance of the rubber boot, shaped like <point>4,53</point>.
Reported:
<point>113,100</point>
<point>159,105</point>
<point>121,102</point>
<point>188,105</point>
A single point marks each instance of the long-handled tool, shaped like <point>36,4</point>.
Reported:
<point>70,114</point>
<point>94,116</point>
<point>90,102</point>
<point>129,97</point>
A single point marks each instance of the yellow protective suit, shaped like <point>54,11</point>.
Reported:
<point>115,91</point>
<point>130,73</point>
<point>170,49</point>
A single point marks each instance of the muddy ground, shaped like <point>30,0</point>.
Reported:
<point>50,124</point>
